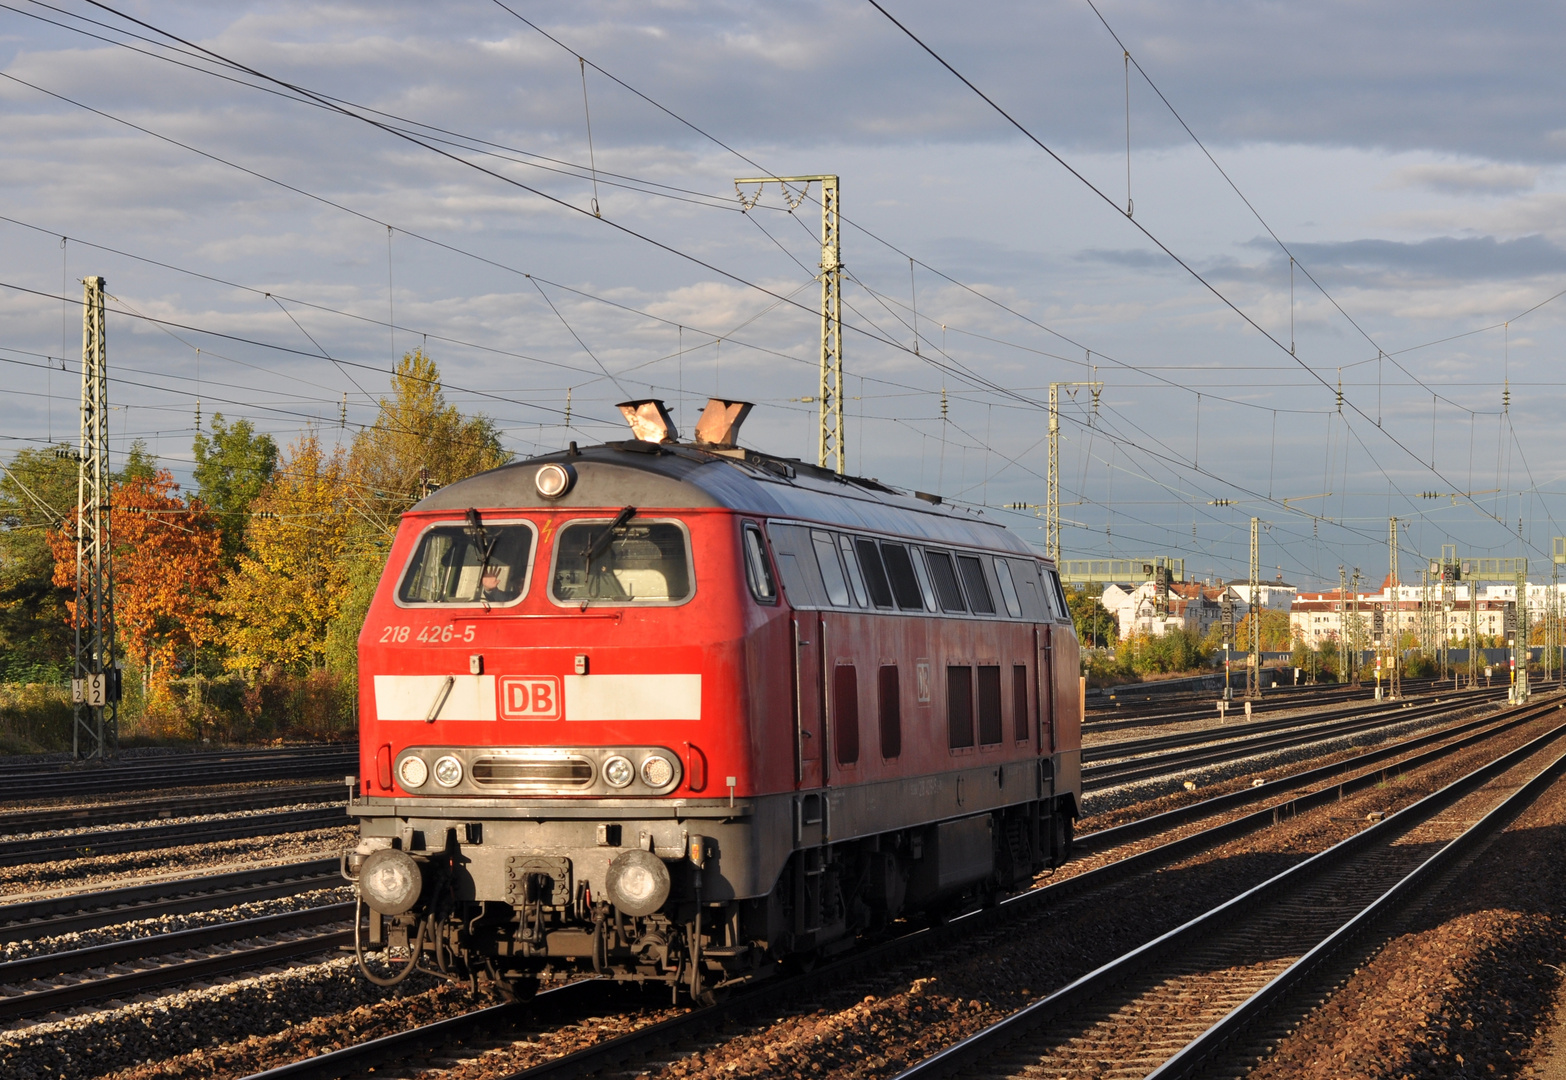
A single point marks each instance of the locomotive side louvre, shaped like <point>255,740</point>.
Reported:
<point>787,707</point>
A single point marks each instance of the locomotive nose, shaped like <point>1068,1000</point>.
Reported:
<point>391,881</point>
<point>638,882</point>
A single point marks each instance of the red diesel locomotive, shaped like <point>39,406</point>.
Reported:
<point>673,712</point>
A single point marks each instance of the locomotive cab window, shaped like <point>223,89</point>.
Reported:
<point>640,562</point>
<point>758,571</point>
<point>466,564</point>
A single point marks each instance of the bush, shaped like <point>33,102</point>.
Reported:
<point>1154,654</point>
<point>34,717</point>
<point>317,705</point>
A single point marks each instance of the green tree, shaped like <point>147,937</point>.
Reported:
<point>233,466</point>
<point>37,493</point>
<point>1094,623</point>
<point>140,466</point>
<point>418,440</point>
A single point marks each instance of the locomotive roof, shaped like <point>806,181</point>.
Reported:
<point>673,475</point>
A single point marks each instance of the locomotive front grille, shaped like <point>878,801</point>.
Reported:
<point>533,772</point>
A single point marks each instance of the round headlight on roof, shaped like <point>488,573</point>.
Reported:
<point>554,480</point>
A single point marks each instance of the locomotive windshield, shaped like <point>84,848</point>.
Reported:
<point>451,567</point>
<point>640,562</point>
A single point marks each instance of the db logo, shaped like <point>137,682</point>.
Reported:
<point>530,697</point>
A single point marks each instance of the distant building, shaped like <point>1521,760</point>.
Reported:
<point>1322,617</point>
<point>1183,605</point>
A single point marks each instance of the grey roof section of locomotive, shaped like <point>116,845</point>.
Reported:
<point>631,474</point>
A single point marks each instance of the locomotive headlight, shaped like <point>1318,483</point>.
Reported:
<point>448,771</point>
<point>657,772</point>
<point>618,771</point>
<point>391,881</point>
<point>413,772</point>
<point>638,882</point>
<point>554,480</point>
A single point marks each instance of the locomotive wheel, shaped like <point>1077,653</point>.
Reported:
<point>1060,847</point>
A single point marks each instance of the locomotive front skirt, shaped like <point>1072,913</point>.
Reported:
<point>676,712</point>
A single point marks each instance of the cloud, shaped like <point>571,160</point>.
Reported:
<point>1439,259</point>
<point>1458,179</point>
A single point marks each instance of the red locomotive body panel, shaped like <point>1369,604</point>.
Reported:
<point>677,714</point>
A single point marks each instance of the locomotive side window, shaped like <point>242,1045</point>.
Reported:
<point>757,570</point>
<point>1062,610</point>
<point>641,562</point>
<point>891,712</point>
<point>945,576</point>
<point>845,713</point>
<point>855,578</point>
<point>900,570</point>
<point>975,586</point>
<point>875,573</point>
<point>460,564</point>
<point>1008,589</point>
<point>991,730</point>
<point>831,569</point>
<point>925,589</point>
<point>959,707</point>
<point>1019,702</point>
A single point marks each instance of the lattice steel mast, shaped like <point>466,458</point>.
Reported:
<point>1254,640</point>
<point>830,439</point>
<point>95,686</point>
<point>1052,485</point>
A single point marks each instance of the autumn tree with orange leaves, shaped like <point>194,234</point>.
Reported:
<point>167,562</point>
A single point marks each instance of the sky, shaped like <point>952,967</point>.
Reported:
<point>1326,199</point>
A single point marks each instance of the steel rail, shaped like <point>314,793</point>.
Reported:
<point>55,915</point>
<point>183,773</point>
<point>1486,726</point>
<point>1113,774</point>
<point>125,811</point>
<point>484,1021</point>
<point>1133,747</point>
<point>1211,1042</point>
<point>1157,714</point>
<point>111,985</point>
<point>118,841</point>
<point>964,1054</point>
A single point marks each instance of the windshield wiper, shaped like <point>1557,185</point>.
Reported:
<point>601,544</point>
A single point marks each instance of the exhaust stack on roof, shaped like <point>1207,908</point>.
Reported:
<point>720,422</point>
<point>649,420</point>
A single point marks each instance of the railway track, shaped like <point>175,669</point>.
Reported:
<point>1203,707</point>
<point>1132,761</point>
<point>467,1036</point>
<point>42,984</point>
<point>78,845</point>
<point>133,810</point>
<point>180,770</point>
<point>1171,1006</point>
<point>74,912</point>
